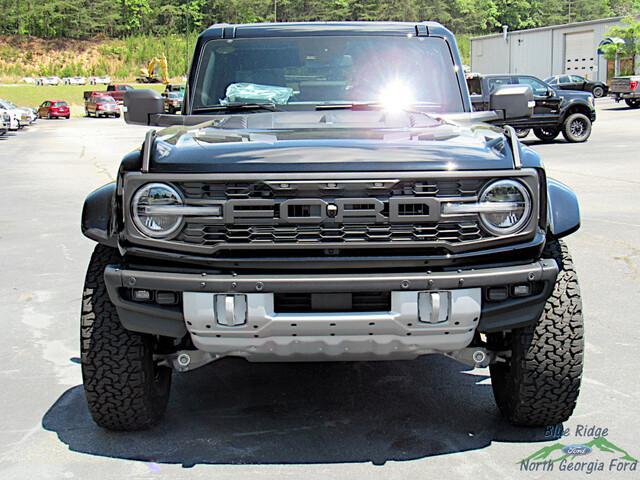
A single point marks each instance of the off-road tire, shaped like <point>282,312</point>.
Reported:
<point>540,383</point>
<point>125,389</point>
<point>632,102</point>
<point>546,134</point>
<point>576,128</point>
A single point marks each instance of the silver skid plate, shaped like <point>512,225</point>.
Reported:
<point>247,325</point>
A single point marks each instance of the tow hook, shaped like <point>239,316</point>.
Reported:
<point>186,360</point>
<point>477,357</point>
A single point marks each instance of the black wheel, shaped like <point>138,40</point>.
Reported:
<point>540,383</point>
<point>522,132</point>
<point>49,116</point>
<point>632,102</point>
<point>124,387</point>
<point>598,91</point>
<point>546,134</point>
<point>576,128</point>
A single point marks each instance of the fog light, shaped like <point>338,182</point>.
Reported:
<point>521,290</point>
<point>497,294</point>
<point>141,295</point>
<point>166,298</point>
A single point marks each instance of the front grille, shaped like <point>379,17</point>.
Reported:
<point>255,224</point>
<point>208,235</point>
<point>256,218</point>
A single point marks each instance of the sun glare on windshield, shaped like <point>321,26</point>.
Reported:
<point>396,96</point>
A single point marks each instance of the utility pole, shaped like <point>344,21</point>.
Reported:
<point>275,10</point>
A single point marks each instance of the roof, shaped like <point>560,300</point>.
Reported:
<point>256,30</point>
<point>554,27</point>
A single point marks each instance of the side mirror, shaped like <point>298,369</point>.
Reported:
<point>512,101</point>
<point>141,105</point>
<point>550,92</point>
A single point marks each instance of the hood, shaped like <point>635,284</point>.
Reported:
<point>574,94</point>
<point>336,140</point>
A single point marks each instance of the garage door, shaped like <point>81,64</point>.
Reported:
<point>579,53</point>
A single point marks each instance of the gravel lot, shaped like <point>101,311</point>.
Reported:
<point>422,419</point>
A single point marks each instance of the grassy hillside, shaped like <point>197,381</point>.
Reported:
<point>122,59</point>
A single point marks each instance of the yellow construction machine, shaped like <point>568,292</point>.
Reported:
<point>150,74</point>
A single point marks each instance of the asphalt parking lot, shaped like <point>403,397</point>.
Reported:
<point>422,419</point>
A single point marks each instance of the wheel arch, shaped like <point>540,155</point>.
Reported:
<point>563,210</point>
<point>577,107</point>
<point>98,215</point>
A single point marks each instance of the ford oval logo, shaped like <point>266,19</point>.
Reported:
<point>576,449</point>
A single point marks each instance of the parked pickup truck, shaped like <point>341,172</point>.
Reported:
<point>555,111</point>
<point>328,194</point>
<point>627,89</point>
<point>116,91</point>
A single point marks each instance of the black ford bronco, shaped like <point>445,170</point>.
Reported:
<point>328,194</point>
<point>556,111</point>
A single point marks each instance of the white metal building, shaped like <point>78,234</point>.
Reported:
<point>560,49</point>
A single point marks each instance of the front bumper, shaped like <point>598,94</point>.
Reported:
<point>624,95</point>
<point>265,334</point>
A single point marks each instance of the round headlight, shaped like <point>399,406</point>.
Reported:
<point>152,210</point>
<point>506,206</point>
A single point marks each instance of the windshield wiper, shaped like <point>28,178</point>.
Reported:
<point>350,106</point>
<point>238,107</point>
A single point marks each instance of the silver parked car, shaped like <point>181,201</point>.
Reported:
<point>74,80</point>
<point>48,81</point>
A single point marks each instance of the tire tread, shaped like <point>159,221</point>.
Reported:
<point>117,369</point>
<point>542,384</point>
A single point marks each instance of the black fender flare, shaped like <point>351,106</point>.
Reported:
<point>563,209</point>
<point>98,214</point>
<point>576,105</point>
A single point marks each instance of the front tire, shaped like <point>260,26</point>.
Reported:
<point>539,384</point>
<point>124,387</point>
<point>632,102</point>
<point>546,134</point>
<point>522,132</point>
<point>576,128</point>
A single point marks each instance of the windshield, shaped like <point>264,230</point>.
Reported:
<point>105,100</point>
<point>60,104</point>
<point>315,70</point>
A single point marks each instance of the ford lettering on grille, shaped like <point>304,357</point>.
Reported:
<point>340,210</point>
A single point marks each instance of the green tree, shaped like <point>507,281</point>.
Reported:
<point>133,13</point>
<point>630,48</point>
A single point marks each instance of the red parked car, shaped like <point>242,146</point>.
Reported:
<point>54,109</point>
<point>101,106</point>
